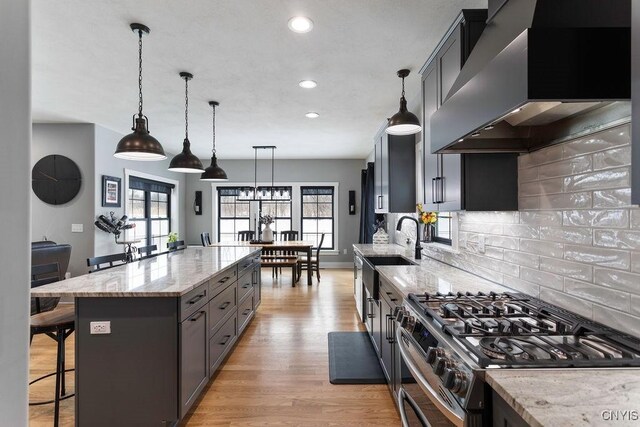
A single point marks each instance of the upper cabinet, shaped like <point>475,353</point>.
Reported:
<point>452,181</point>
<point>395,172</point>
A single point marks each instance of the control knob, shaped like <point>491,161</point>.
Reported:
<point>409,323</point>
<point>441,365</point>
<point>433,353</point>
<point>455,380</point>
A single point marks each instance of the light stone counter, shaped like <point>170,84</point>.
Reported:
<point>571,397</point>
<point>543,397</point>
<point>166,275</point>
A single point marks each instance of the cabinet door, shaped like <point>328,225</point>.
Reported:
<point>386,334</point>
<point>452,183</point>
<point>449,61</point>
<point>375,324</point>
<point>193,358</point>
<point>429,106</point>
<point>377,173</point>
<point>257,284</point>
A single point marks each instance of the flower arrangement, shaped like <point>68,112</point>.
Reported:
<point>426,217</point>
<point>266,219</point>
<point>379,224</point>
<point>173,237</point>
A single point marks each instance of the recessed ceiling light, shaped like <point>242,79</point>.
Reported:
<point>300,24</point>
<point>312,115</point>
<point>307,84</point>
<point>461,140</point>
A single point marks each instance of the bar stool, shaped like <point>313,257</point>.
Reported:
<point>57,324</point>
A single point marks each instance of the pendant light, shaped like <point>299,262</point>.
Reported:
<point>186,162</point>
<point>404,122</point>
<point>140,145</point>
<point>214,172</point>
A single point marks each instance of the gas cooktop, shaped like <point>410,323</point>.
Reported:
<point>516,330</point>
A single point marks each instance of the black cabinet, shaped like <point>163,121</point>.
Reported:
<point>452,181</point>
<point>193,358</point>
<point>394,173</point>
<point>503,414</point>
<point>386,349</point>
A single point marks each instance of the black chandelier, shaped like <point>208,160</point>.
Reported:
<point>264,192</point>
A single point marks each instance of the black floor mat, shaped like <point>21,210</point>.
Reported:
<point>352,359</point>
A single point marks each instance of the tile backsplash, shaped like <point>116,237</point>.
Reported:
<point>575,242</point>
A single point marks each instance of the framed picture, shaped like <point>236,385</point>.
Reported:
<point>111,192</point>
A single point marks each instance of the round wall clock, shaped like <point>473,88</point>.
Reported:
<point>56,179</point>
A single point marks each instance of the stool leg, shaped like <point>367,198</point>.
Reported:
<point>62,364</point>
<point>56,415</point>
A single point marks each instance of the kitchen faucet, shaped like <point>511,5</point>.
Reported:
<point>418,254</point>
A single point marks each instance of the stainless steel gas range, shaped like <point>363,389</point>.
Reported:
<point>448,341</point>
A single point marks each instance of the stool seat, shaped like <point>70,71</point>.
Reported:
<point>63,314</point>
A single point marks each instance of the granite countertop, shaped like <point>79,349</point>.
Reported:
<point>166,275</point>
<point>543,397</point>
<point>570,397</point>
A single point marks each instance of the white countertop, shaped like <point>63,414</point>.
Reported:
<point>166,275</point>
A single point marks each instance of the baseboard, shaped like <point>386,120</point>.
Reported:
<point>336,265</point>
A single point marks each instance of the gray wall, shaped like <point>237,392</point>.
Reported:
<point>15,185</point>
<point>75,141</point>
<point>345,172</point>
<point>105,164</point>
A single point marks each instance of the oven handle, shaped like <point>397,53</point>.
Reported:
<point>424,384</point>
<point>403,396</point>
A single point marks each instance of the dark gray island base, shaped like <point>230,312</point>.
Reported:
<point>167,338</point>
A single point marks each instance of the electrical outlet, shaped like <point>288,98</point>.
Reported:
<point>100,327</point>
<point>77,228</point>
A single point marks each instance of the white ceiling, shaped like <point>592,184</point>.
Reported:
<point>244,56</point>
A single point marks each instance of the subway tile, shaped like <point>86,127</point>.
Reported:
<point>566,201</point>
<point>612,218</point>
<point>493,252</point>
<point>481,227</point>
<point>572,166</point>
<point>567,301</point>
<point>545,155</point>
<point>542,248</point>
<point>542,278</point>
<point>598,294</point>
<point>520,285</point>
<point>541,218</point>
<point>617,319</point>
<point>635,262</point>
<point>492,264</point>
<point>612,198</point>
<point>521,230</point>
<point>501,241</point>
<point>548,186</point>
<point>598,256</point>
<point>611,178</point>
<point>616,279</point>
<point>625,239</point>
<point>567,268</point>
<point>635,218</point>
<point>528,203</point>
<point>635,305</point>
<point>527,174</point>
<point>604,140</point>
<point>489,217</point>
<point>566,235</point>
<point>521,258</point>
<point>612,158</point>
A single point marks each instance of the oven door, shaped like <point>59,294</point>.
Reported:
<point>419,397</point>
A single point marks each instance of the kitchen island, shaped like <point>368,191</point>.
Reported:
<point>535,397</point>
<point>151,334</point>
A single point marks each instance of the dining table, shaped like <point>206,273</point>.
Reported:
<point>283,245</point>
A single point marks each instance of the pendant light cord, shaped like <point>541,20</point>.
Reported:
<point>186,108</point>
<point>140,73</point>
<point>213,151</point>
<point>403,87</point>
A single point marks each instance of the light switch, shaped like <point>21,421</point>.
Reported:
<point>77,228</point>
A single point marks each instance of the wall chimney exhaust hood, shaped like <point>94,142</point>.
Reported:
<point>540,67</point>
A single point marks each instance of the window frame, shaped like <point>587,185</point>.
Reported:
<point>235,218</point>
<point>148,219</point>
<point>444,240</point>
<point>317,218</point>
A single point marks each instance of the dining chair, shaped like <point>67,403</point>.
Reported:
<point>57,324</point>
<point>146,251</point>
<point>288,235</point>
<point>205,238</point>
<point>314,262</point>
<point>178,245</point>
<point>106,261</point>
<point>246,235</point>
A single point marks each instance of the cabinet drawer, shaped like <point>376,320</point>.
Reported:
<point>245,284</point>
<point>245,312</point>
<point>221,343</point>
<point>193,300</point>
<point>244,264</point>
<point>222,279</point>
<point>221,305</point>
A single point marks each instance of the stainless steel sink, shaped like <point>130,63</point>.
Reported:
<point>370,276</point>
<point>389,260</point>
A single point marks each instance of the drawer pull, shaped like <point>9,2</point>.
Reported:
<point>246,285</point>
<point>199,315</point>
<point>225,340</point>
<point>196,298</point>
<point>246,312</point>
<point>224,280</point>
<point>225,305</point>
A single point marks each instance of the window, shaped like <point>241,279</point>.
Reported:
<point>317,215</point>
<point>234,215</point>
<point>443,228</point>
<point>150,209</point>
<point>280,210</point>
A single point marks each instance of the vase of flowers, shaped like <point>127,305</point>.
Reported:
<point>267,232</point>
<point>428,219</point>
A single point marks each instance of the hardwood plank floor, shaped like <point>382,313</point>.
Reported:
<point>278,373</point>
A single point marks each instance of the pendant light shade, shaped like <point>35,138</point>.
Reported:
<point>214,172</point>
<point>404,122</point>
<point>140,145</point>
<point>186,161</point>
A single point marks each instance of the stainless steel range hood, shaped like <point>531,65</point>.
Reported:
<point>540,66</point>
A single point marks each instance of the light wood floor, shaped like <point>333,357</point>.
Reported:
<point>278,373</point>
